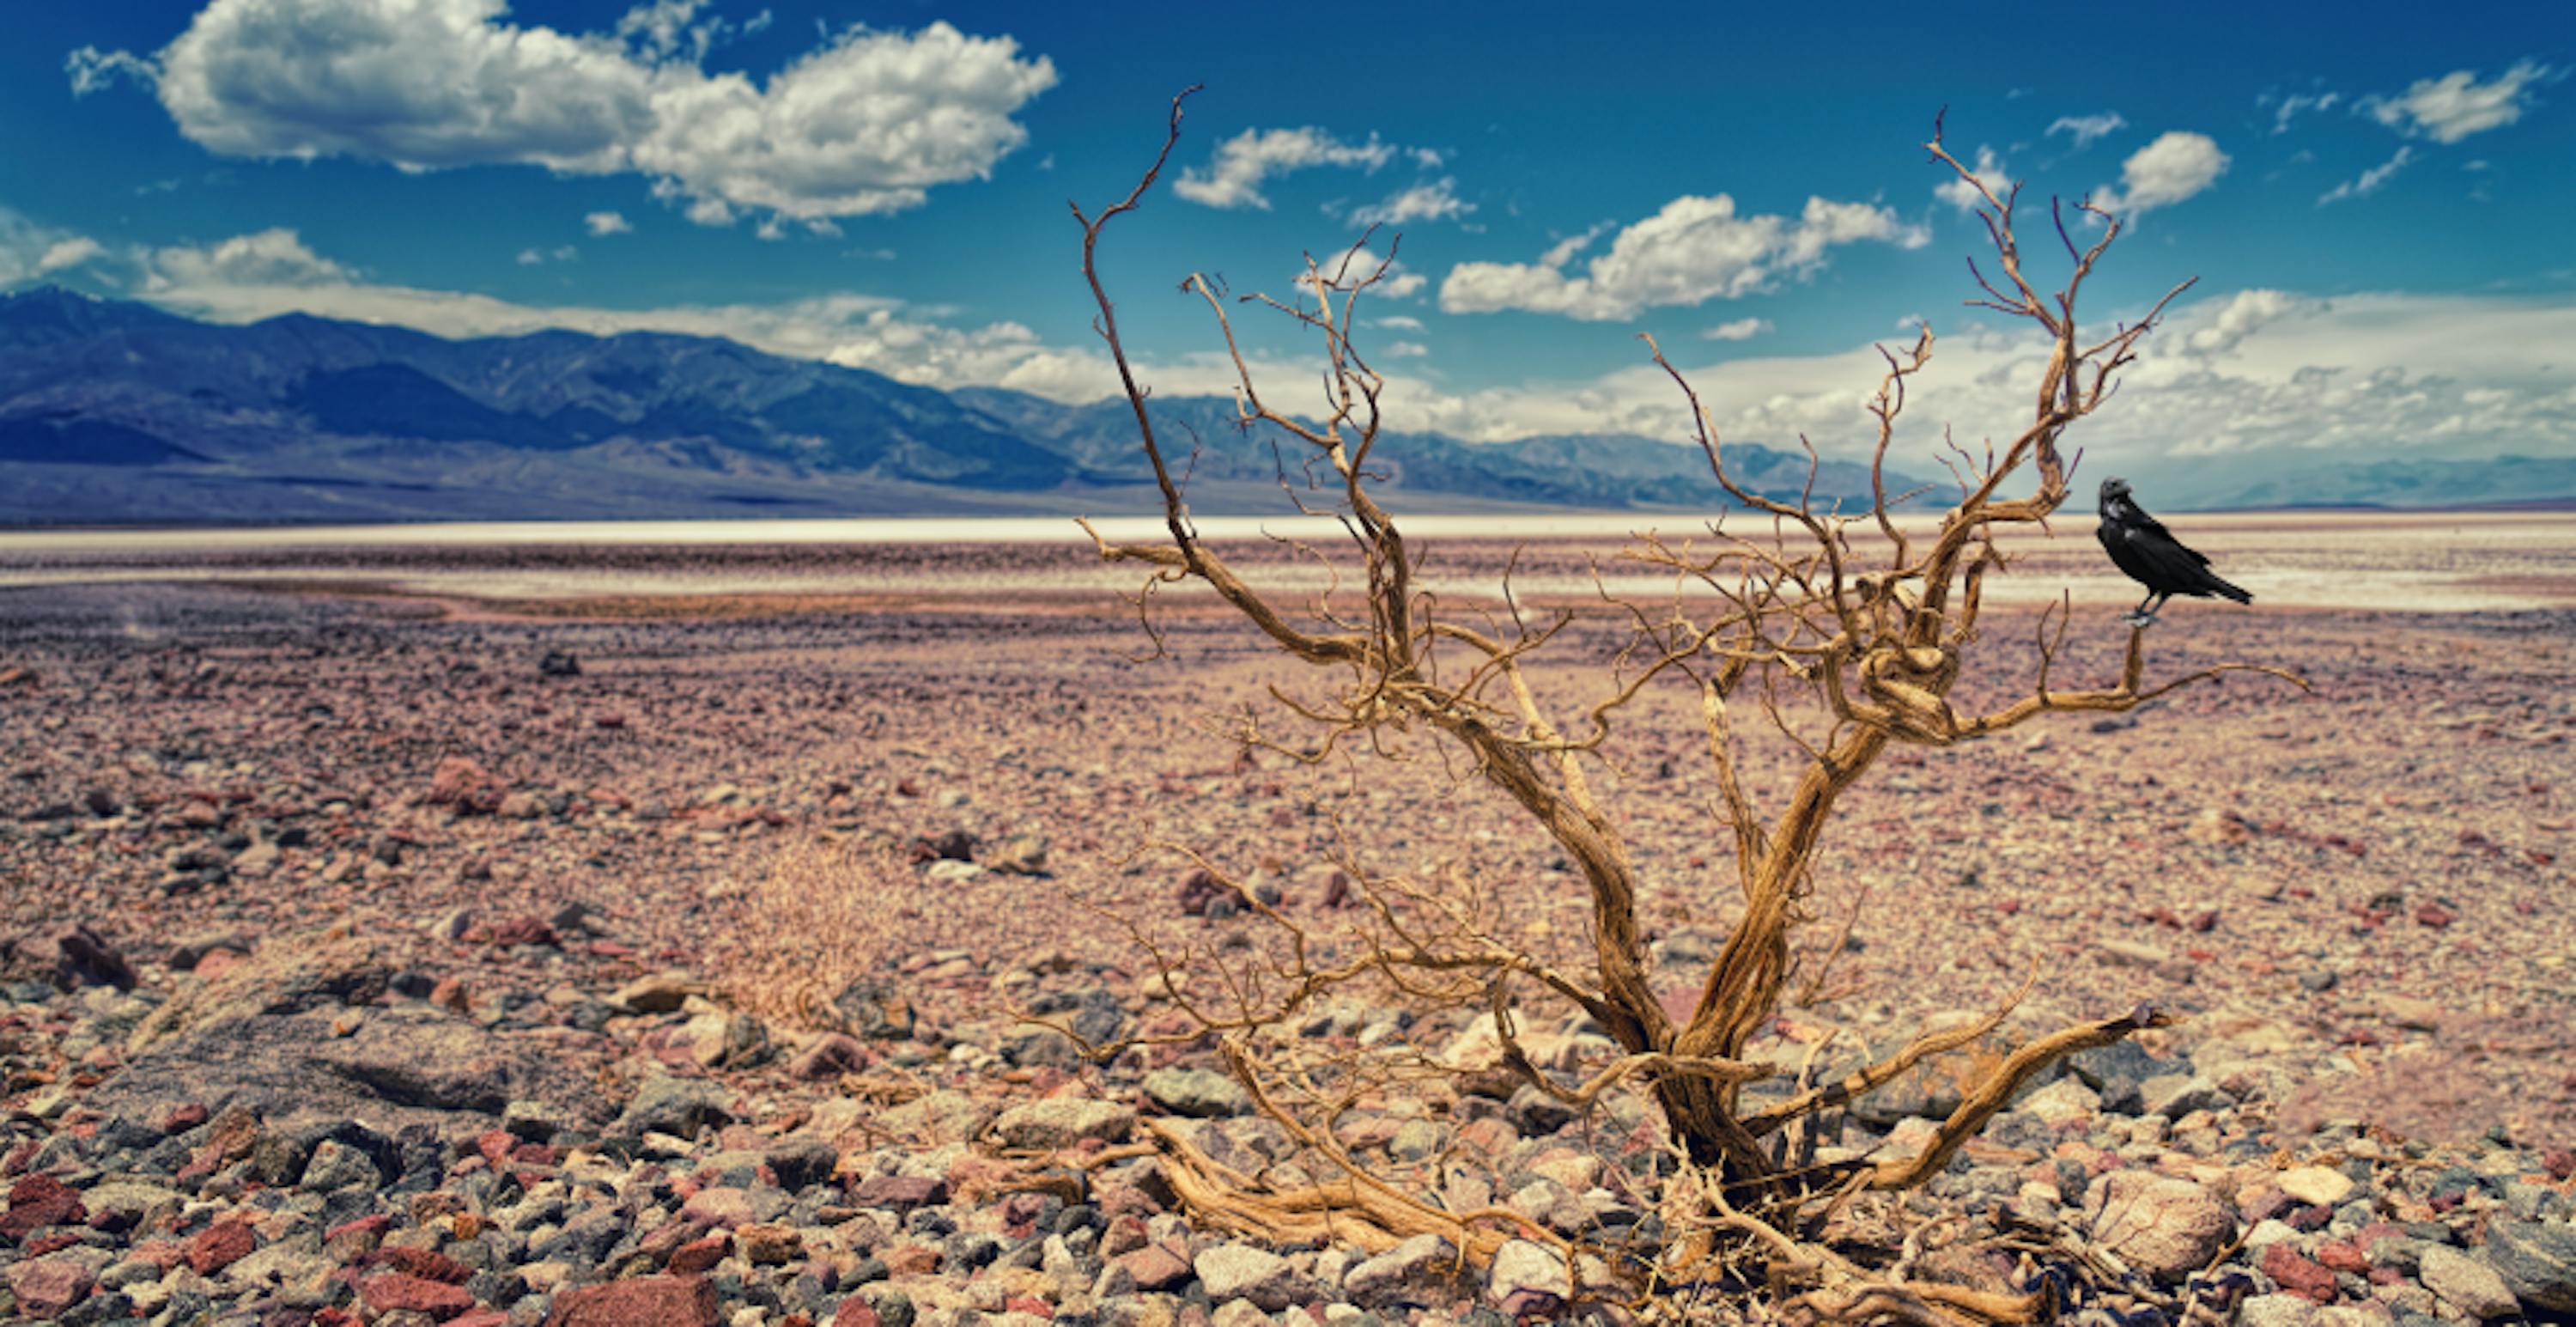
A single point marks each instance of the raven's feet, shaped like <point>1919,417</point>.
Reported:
<point>2139,618</point>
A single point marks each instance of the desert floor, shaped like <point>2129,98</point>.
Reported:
<point>2369,881</point>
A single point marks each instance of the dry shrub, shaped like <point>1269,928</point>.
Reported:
<point>1837,636</point>
<point>819,913</point>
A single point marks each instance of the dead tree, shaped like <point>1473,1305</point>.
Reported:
<point>1873,632</point>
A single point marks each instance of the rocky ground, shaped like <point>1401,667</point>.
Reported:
<point>377,959</point>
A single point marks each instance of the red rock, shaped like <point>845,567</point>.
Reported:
<point>2342,1257</point>
<point>38,1201</point>
<point>900,1193</point>
<point>44,1244</point>
<point>912,1260</point>
<point>2561,1162</point>
<point>449,994</point>
<point>477,1318</point>
<point>854,1312</point>
<point>389,1292</point>
<point>699,1255</point>
<point>641,1301</point>
<point>182,1118</point>
<point>45,1288</point>
<point>350,1240</point>
<point>465,785</point>
<point>1126,1235</point>
<point>220,1246</point>
<point>2297,1275</point>
<point>1029,1305</point>
<point>523,931</point>
<point>720,1206</point>
<point>495,1144</point>
<point>830,1057</point>
<point>1156,1267</point>
<point>2435,915</point>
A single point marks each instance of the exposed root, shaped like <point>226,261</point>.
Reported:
<point>1368,1216</point>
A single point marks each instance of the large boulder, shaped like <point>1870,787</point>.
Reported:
<point>67,955</point>
<point>293,1036</point>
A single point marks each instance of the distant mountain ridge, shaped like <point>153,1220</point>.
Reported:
<point>113,411</point>
<point>2502,481</point>
<point>118,412</point>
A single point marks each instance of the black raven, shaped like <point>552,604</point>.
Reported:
<point>2141,546</point>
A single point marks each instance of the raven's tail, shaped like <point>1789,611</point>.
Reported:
<point>2227,591</point>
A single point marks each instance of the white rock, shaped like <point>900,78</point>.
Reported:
<point>2316,1185</point>
<point>1521,1265</point>
<point>2276,1311</point>
<point>2466,1284</point>
<point>2061,1101</point>
<point>2167,1228</point>
<point>1240,1271</point>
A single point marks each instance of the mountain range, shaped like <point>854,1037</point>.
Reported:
<point>116,412</point>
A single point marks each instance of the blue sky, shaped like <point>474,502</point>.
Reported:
<point>2374,197</point>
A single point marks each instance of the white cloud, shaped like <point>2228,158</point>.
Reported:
<point>1233,177</point>
<point>607,223</point>
<point>2174,167</point>
<point>29,250</point>
<point>63,254</point>
<point>93,70</point>
<point>1962,195</point>
<point>1558,253</point>
<point>561,253</point>
<point>1405,350</point>
<point>2369,181</point>
<point>1397,321</point>
<point>1742,329</point>
<point>1343,267</point>
<point>530,257</point>
<point>2456,105</point>
<point>2084,129</point>
<point>1436,200</point>
<point>274,259</point>
<point>2216,327</point>
<point>865,123</point>
<point>1694,250</point>
<point>2297,104</point>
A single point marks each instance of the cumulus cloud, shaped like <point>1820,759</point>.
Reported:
<point>1989,171</point>
<point>1742,329</point>
<point>275,259</point>
<point>2368,181</point>
<point>2176,166</point>
<point>1405,350</point>
<point>2084,129</point>
<point>1436,200</point>
<point>865,123</point>
<point>1344,267</point>
<point>1695,249</point>
<point>2216,327</point>
<point>2456,105</point>
<point>64,254</point>
<point>2253,373</point>
<point>606,223</point>
<point>29,249</point>
<point>1234,175</point>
